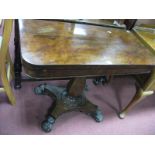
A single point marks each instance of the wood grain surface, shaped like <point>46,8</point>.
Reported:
<point>61,43</point>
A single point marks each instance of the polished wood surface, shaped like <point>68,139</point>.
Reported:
<point>57,43</point>
<point>0,40</point>
<point>6,66</point>
<point>0,22</point>
<point>52,49</point>
<point>146,86</point>
<point>147,35</point>
<point>96,22</point>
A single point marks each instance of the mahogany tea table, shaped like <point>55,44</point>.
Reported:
<point>50,50</point>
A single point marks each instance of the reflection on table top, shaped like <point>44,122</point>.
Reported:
<point>61,43</point>
<point>104,22</point>
<point>147,35</point>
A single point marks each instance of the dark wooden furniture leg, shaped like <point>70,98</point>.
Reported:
<point>17,59</point>
<point>67,99</point>
<point>130,23</point>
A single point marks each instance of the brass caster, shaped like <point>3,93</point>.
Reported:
<point>122,115</point>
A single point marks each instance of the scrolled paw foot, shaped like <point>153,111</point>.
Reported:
<point>98,115</point>
<point>39,90</point>
<point>100,80</point>
<point>48,124</point>
<point>96,82</point>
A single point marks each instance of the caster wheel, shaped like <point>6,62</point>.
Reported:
<point>48,124</point>
<point>98,115</point>
<point>122,115</point>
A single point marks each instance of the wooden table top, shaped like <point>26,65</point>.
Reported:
<point>147,35</point>
<point>60,43</point>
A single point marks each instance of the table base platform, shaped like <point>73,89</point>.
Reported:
<point>65,101</point>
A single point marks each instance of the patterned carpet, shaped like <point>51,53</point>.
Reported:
<point>26,116</point>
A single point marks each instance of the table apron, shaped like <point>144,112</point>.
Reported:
<point>64,73</point>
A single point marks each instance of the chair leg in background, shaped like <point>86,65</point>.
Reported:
<point>140,94</point>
